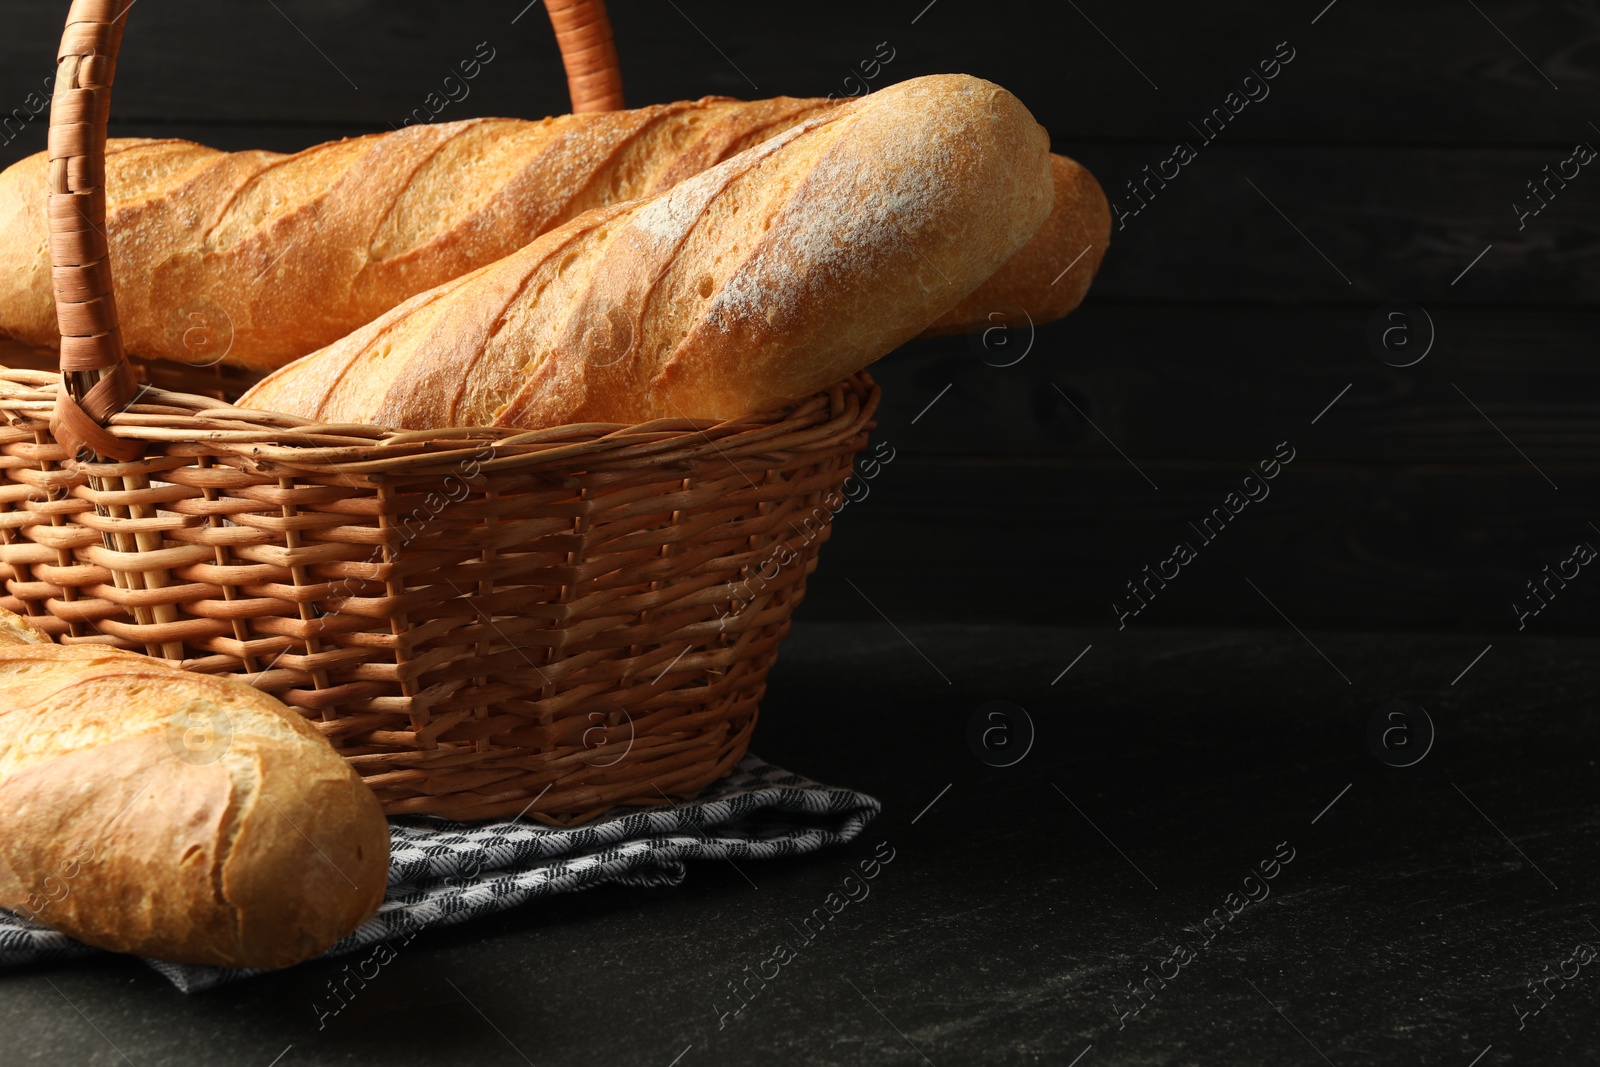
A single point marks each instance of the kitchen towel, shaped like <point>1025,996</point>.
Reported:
<point>441,873</point>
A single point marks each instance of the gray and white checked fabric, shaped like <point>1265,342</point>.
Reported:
<point>441,873</point>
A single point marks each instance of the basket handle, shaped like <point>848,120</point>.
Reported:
<point>594,76</point>
<point>98,380</point>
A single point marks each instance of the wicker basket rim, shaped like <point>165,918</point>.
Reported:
<point>168,418</point>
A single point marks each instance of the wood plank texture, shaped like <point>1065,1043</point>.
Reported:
<point>1444,548</point>
<point>1427,71</point>
<point>1222,383</point>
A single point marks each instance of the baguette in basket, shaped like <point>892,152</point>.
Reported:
<point>175,815</point>
<point>765,279</point>
<point>281,255</point>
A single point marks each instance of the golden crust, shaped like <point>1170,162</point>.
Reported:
<point>282,254</point>
<point>271,256</point>
<point>1050,275</point>
<point>182,816</point>
<point>761,280</point>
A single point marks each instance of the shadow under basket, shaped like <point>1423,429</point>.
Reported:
<point>483,622</point>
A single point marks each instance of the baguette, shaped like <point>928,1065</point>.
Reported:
<point>181,816</point>
<point>1050,275</point>
<point>260,258</point>
<point>770,276</point>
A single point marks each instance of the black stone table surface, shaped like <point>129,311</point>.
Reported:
<point>1217,847</point>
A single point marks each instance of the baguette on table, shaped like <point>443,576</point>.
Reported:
<point>175,815</point>
<point>271,256</point>
<point>765,279</point>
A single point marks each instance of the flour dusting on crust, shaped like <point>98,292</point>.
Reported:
<point>671,215</point>
<point>668,218</point>
<point>890,198</point>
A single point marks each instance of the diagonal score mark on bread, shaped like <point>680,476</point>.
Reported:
<point>773,275</point>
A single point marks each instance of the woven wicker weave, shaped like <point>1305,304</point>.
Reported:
<point>485,622</point>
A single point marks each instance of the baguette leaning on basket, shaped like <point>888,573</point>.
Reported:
<point>765,279</point>
<point>176,815</point>
<point>297,251</point>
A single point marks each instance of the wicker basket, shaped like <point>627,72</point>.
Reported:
<point>485,622</point>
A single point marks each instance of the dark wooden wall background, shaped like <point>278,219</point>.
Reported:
<point>1396,141</point>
